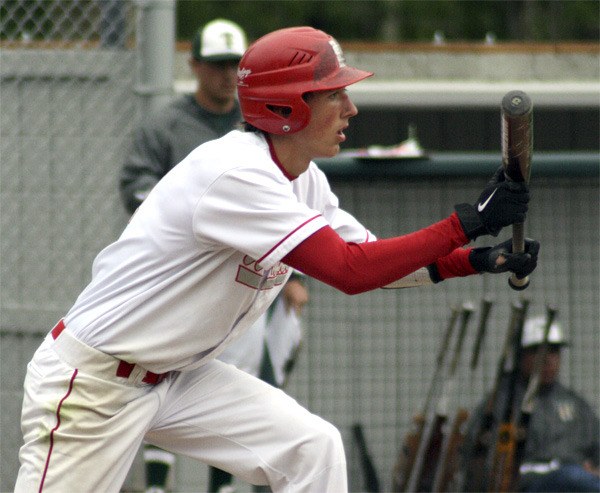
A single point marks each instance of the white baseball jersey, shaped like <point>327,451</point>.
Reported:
<point>200,260</point>
<point>247,352</point>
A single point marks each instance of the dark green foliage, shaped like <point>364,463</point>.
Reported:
<point>405,20</point>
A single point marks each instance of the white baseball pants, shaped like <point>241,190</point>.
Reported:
<point>83,425</point>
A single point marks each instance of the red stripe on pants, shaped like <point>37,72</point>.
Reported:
<point>56,428</point>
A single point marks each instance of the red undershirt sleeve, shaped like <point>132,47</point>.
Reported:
<point>456,264</point>
<point>355,268</point>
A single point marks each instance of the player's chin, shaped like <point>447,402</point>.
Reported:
<point>331,150</point>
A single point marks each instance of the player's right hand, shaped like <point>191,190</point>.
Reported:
<point>500,204</point>
<point>501,258</point>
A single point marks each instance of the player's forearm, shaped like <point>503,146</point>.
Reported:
<point>356,268</point>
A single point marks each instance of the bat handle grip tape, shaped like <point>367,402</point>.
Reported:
<point>518,247</point>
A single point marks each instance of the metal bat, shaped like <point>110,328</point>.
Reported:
<point>503,454</point>
<point>517,147</point>
<point>452,437</point>
<point>486,307</point>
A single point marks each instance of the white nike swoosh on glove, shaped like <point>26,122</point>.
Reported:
<point>481,206</point>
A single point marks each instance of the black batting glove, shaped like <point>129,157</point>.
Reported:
<point>500,204</point>
<point>522,264</point>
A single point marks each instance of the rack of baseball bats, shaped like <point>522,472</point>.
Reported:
<point>430,459</point>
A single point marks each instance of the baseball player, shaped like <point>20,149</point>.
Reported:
<point>168,135</point>
<point>268,350</point>
<point>201,259</point>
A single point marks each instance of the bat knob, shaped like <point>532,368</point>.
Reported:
<point>518,284</point>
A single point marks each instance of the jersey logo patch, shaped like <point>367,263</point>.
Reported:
<point>254,276</point>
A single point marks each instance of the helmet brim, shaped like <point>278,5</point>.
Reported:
<point>346,76</point>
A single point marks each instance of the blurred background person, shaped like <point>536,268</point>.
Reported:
<point>162,141</point>
<point>561,451</point>
<point>172,132</point>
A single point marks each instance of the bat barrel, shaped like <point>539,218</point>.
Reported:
<point>517,141</point>
<point>517,148</point>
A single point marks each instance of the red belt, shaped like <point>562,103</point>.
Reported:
<point>124,369</point>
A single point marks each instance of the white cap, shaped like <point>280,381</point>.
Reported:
<point>219,40</point>
<point>533,333</point>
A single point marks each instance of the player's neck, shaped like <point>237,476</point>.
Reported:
<point>290,155</point>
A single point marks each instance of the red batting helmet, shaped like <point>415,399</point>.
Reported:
<point>280,67</point>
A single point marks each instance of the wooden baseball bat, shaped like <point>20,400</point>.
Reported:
<point>503,464</point>
<point>426,460</point>
<point>371,479</point>
<point>517,147</point>
<point>414,439</point>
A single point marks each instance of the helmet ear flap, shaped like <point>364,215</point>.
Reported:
<point>279,118</point>
<point>295,117</point>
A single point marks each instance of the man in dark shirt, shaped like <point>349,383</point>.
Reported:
<point>561,451</point>
<point>173,131</point>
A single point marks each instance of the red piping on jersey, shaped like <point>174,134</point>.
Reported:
<point>277,161</point>
<point>56,428</point>
<point>286,237</point>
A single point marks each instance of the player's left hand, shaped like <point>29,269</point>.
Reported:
<point>500,258</point>
<point>295,295</point>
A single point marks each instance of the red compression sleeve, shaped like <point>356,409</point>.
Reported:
<point>456,264</point>
<point>354,268</point>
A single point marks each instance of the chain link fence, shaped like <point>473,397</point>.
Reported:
<point>81,24</point>
<point>69,100</point>
<point>67,69</point>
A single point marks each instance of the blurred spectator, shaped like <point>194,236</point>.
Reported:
<point>168,135</point>
<point>561,451</point>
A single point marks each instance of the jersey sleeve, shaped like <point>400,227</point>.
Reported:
<point>255,212</point>
<point>316,191</point>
